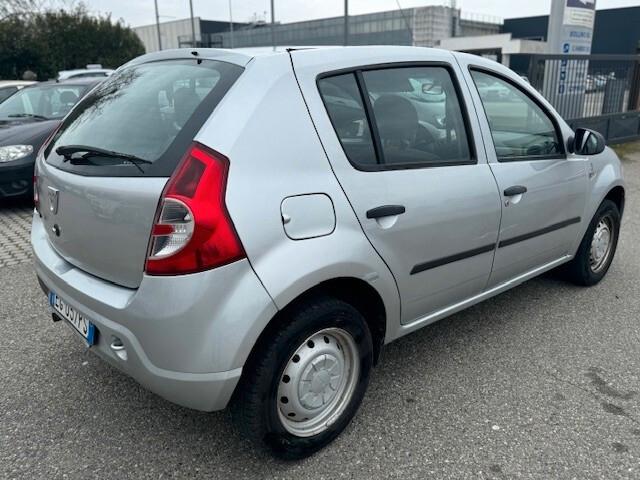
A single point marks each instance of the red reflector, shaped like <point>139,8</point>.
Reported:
<point>161,229</point>
<point>199,183</point>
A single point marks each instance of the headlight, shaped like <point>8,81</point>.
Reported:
<point>14,152</point>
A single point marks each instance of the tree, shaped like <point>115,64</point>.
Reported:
<point>25,8</point>
<point>53,40</point>
<point>10,8</point>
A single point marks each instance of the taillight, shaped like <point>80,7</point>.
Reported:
<point>193,231</point>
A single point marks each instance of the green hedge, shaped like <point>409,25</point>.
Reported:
<point>48,42</point>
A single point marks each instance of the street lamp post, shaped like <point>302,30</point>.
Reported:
<point>230,25</point>
<point>273,25</point>
<point>158,25</point>
<point>193,25</point>
<point>346,22</point>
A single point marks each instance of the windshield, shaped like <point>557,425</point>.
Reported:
<point>142,111</point>
<point>46,101</point>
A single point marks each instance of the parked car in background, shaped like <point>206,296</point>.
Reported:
<point>85,73</point>
<point>9,87</point>
<point>251,230</point>
<point>27,119</point>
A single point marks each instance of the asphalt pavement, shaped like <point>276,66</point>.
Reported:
<point>540,382</point>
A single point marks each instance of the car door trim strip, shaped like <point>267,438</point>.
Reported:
<point>537,233</point>
<point>421,267</point>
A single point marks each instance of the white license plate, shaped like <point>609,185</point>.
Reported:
<point>77,320</point>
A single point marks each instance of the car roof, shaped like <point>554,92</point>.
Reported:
<point>242,56</point>
<point>11,83</point>
<point>84,70</point>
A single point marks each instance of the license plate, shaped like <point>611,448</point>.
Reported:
<point>77,320</point>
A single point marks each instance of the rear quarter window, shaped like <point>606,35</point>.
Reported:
<point>151,111</point>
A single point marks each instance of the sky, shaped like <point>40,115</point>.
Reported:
<point>141,12</point>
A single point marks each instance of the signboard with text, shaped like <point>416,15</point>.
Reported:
<point>579,13</point>
<point>570,33</point>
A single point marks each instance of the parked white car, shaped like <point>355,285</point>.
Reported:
<point>84,73</point>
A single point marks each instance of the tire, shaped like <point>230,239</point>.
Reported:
<point>585,269</point>
<point>261,408</point>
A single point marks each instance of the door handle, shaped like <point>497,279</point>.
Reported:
<point>386,211</point>
<point>515,190</point>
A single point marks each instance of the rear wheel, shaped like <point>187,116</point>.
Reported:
<point>598,247</point>
<point>305,382</point>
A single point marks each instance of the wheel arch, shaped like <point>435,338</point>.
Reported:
<point>617,196</point>
<point>357,292</point>
<point>608,184</point>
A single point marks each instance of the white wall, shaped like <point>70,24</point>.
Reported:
<point>169,31</point>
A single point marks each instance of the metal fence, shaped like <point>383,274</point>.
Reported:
<point>601,92</point>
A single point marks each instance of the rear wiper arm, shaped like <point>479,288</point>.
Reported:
<point>67,151</point>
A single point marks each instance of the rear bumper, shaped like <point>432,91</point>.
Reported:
<point>186,338</point>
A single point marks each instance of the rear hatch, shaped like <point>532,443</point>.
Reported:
<point>104,171</point>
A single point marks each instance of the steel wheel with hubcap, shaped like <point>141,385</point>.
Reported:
<point>601,244</point>
<point>306,379</point>
<point>318,382</point>
<point>598,246</point>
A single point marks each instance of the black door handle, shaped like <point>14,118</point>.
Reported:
<point>515,190</point>
<point>386,211</point>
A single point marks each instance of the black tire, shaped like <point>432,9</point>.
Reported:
<point>254,407</point>
<point>579,270</point>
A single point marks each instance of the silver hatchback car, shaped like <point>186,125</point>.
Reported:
<point>241,230</point>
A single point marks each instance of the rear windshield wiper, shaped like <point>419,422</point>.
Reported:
<point>28,115</point>
<point>67,151</point>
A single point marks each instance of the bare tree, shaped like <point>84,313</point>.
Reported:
<point>25,8</point>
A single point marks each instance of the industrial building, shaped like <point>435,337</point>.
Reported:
<point>420,26</point>
<point>616,30</point>
<point>427,26</point>
<point>178,33</point>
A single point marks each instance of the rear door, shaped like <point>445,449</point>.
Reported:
<point>543,189</point>
<point>399,139</point>
<point>99,210</point>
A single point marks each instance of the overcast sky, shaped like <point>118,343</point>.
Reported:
<point>141,12</point>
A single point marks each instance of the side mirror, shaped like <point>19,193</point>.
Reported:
<point>587,142</point>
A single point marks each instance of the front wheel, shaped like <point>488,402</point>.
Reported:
<point>306,380</point>
<point>598,247</point>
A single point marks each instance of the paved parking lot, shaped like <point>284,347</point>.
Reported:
<point>541,382</point>
<point>15,221</point>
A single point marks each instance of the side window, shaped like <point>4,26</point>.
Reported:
<point>346,111</point>
<point>418,116</point>
<point>411,117</point>
<point>7,92</point>
<point>521,130</point>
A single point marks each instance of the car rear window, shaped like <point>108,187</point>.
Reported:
<point>150,111</point>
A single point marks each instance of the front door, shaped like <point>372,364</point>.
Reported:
<point>543,190</point>
<point>399,140</point>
